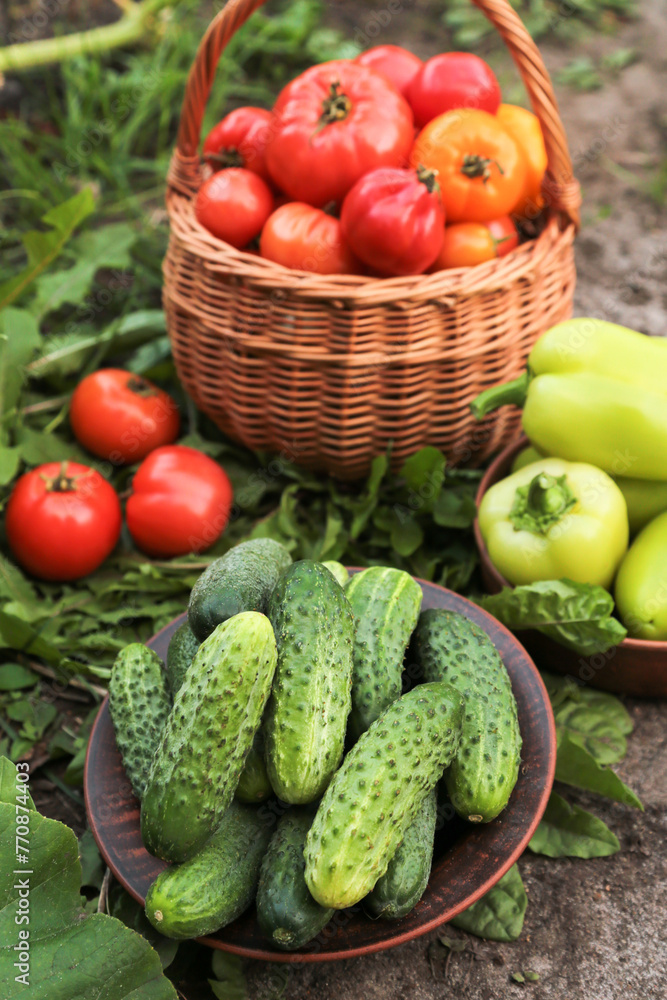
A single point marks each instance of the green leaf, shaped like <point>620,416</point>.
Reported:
<point>567,831</point>
<point>424,472</point>
<point>19,635</point>
<point>230,981</point>
<point>10,459</point>
<point>497,916</point>
<point>92,866</point>
<point>69,951</point>
<point>454,508</point>
<point>12,790</point>
<point>37,448</point>
<point>125,908</point>
<point>108,247</point>
<point>406,536</point>
<point>43,247</point>
<point>576,766</point>
<point>19,339</point>
<point>15,677</point>
<point>593,730</point>
<point>577,615</point>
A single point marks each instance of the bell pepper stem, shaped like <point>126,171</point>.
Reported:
<point>501,395</point>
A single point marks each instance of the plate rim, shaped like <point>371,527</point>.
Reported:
<point>395,939</point>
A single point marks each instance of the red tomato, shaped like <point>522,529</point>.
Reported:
<point>62,521</point>
<point>393,220</point>
<point>307,239</point>
<point>239,140</point>
<point>481,168</point>
<point>399,65</point>
<point>469,243</point>
<point>234,204</point>
<point>121,416</point>
<point>180,502</point>
<point>333,124</point>
<point>453,80</point>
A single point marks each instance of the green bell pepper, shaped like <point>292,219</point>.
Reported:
<point>554,520</point>
<point>641,584</point>
<point>645,498</point>
<point>594,392</point>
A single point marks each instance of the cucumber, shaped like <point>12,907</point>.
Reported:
<point>310,701</point>
<point>254,784</point>
<point>216,713</point>
<point>385,603</point>
<point>241,580</point>
<point>180,654</point>
<point>377,792</point>
<point>403,884</point>
<point>216,885</point>
<point>139,704</point>
<point>287,914</point>
<point>338,572</point>
<point>448,647</point>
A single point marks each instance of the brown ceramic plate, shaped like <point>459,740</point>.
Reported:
<point>636,666</point>
<point>468,859</point>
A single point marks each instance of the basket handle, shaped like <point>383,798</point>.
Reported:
<point>560,188</point>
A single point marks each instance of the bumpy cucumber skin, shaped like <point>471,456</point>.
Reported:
<point>377,792</point>
<point>217,884</point>
<point>403,884</point>
<point>208,735</point>
<point>139,703</point>
<point>449,647</point>
<point>287,914</point>
<point>254,784</point>
<point>180,654</point>
<point>385,603</point>
<point>338,572</point>
<point>241,580</point>
<point>307,714</point>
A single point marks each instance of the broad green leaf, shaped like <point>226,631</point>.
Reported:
<point>38,448</point>
<point>406,536</point>
<point>108,247</point>
<point>15,677</point>
<point>14,791</point>
<point>69,951</point>
<point>497,916</point>
<point>125,908</point>
<point>19,339</point>
<point>559,688</point>
<point>577,615</point>
<point>13,584</point>
<point>608,705</point>
<point>92,866</point>
<point>10,459</point>
<point>19,635</point>
<point>365,505</point>
<point>576,766</point>
<point>593,730</point>
<point>454,508</point>
<point>44,246</point>
<point>230,981</point>
<point>424,472</point>
<point>567,831</point>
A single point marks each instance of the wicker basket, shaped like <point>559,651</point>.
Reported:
<point>328,370</point>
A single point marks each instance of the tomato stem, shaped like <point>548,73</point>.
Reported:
<point>335,107</point>
<point>429,178</point>
<point>229,156</point>
<point>137,384</point>
<point>61,482</point>
<point>475,165</point>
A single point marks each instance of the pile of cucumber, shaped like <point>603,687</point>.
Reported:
<point>277,759</point>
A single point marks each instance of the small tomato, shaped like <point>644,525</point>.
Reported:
<point>234,204</point>
<point>307,239</point>
<point>239,140</point>
<point>469,243</point>
<point>393,220</point>
<point>121,416</point>
<point>180,502</point>
<point>62,521</point>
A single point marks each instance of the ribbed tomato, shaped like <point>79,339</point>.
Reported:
<point>452,80</point>
<point>307,239</point>
<point>393,220</point>
<point>332,125</point>
<point>481,168</point>
<point>234,204</point>
<point>400,66</point>
<point>239,140</point>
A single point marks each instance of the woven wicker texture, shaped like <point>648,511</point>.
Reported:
<point>327,370</point>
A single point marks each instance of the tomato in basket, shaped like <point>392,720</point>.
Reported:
<point>307,239</point>
<point>452,80</point>
<point>234,204</point>
<point>399,65</point>
<point>468,243</point>
<point>239,140</point>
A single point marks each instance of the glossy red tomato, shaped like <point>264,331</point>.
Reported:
<point>62,521</point>
<point>121,416</point>
<point>307,239</point>
<point>333,124</point>
<point>469,243</point>
<point>399,65</point>
<point>234,204</point>
<point>393,220</point>
<point>453,80</point>
<point>180,502</point>
<point>239,140</point>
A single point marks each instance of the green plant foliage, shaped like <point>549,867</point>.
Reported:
<point>498,915</point>
<point>570,832</point>
<point>576,766</point>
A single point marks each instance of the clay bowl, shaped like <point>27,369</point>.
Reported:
<point>636,666</point>
<point>468,859</point>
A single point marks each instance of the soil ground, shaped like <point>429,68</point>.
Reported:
<point>594,930</point>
